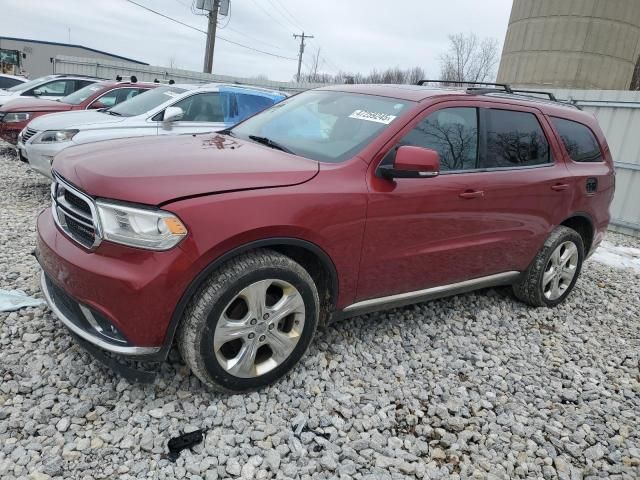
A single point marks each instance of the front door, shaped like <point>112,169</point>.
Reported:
<point>428,232</point>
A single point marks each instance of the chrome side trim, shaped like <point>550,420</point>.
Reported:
<point>98,342</point>
<point>433,292</point>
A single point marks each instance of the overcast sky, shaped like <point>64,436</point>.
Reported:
<point>353,35</point>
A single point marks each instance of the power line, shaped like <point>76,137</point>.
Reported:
<point>253,38</point>
<point>295,22</point>
<point>271,16</point>
<point>204,31</point>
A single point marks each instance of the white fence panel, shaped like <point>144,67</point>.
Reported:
<point>109,69</point>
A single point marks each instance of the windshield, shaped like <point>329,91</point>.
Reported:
<point>79,96</point>
<point>146,101</point>
<point>30,84</point>
<point>327,126</point>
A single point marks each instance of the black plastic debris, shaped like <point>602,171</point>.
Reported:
<point>184,441</point>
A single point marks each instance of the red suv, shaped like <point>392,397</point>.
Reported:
<point>15,115</point>
<point>335,202</point>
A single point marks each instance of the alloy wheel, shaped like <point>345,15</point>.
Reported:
<point>259,329</point>
<point>560,270</point>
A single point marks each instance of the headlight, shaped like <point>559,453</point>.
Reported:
<point>139,227</point>
<point>55,136</point>
<point>16,117</point>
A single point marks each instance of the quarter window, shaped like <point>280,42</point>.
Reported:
<point>514,139</point>
<point>579,140</point>
<point>452,132</point>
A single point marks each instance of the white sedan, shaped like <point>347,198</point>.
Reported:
<point>168,110</point>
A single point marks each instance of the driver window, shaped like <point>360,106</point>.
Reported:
<point>452,132</point>
<point>56,88</point>
<point>202,107</point>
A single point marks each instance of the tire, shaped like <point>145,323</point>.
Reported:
<point>250,323</point>
<point>536,286</point>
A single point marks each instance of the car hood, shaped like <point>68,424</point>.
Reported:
<point>20,104</point>
<point>80,119</point>
<point>6,96</point>
<point>156,170</point>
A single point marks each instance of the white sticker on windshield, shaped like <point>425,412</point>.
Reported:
<point>94,89</point>
<point>373,116</point>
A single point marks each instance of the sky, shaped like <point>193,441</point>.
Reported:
<point>352,35</point>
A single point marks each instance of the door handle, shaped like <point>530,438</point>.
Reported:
<point>558,187</point>
<point>470,194</point>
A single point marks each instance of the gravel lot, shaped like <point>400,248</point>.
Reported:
<point>476,386</point>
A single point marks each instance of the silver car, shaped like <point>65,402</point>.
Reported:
<point>167,110</point>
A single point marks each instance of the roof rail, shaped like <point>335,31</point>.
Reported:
<point>503,86</point>
<point>536,92</point>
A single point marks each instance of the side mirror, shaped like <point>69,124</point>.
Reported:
<point>37,92</point>
<point>97,105</point>
<point>172,114</point>
<point>412,162</point>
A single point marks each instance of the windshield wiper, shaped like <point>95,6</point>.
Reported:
<point>270,143</point>
<point>112,113</point>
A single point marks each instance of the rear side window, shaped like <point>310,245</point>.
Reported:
<point>514,139</point>
<point>579,140</point>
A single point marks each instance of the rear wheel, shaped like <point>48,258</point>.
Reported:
<point>250,323</point>
<point>554,271</point>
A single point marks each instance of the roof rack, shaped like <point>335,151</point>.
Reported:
<point>495,86</point>
<point>536,92</point>
<point>504,88</point>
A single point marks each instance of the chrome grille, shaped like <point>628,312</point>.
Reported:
<point>75,213</point>
<point>28,133</point>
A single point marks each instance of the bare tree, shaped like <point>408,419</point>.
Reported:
<point>469,59</point>
<point>635,80</point>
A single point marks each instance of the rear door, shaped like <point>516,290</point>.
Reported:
<point>526,183</point>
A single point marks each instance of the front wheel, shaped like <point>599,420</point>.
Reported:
<point>250,323</point>
<point>554,271</point>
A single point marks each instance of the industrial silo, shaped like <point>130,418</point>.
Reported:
<point>572,43</point>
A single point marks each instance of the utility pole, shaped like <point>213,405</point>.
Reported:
<point>211,37</point>
<point>301,37</point>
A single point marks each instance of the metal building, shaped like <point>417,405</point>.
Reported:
<point>35,57</point>
<point>586,44</point>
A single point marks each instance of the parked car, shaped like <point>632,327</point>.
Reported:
<point>335,202</point>
<point>8,81</point>
<point>50,87</point>
<point>15,114</point>
<point>168,110</point>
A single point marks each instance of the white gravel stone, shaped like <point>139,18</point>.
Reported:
<point>474,386</point>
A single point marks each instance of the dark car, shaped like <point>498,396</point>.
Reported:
<point>335,202</point>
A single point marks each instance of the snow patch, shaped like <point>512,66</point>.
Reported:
<point>618,257</point>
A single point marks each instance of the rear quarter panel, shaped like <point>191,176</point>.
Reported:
<point>595,206</point>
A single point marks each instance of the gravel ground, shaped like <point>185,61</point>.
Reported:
<point>475,386</point>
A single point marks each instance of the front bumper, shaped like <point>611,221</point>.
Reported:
<point>81,320</point>
<point>135,291</point>
<point>9,131</point>
<point>40,155</point>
